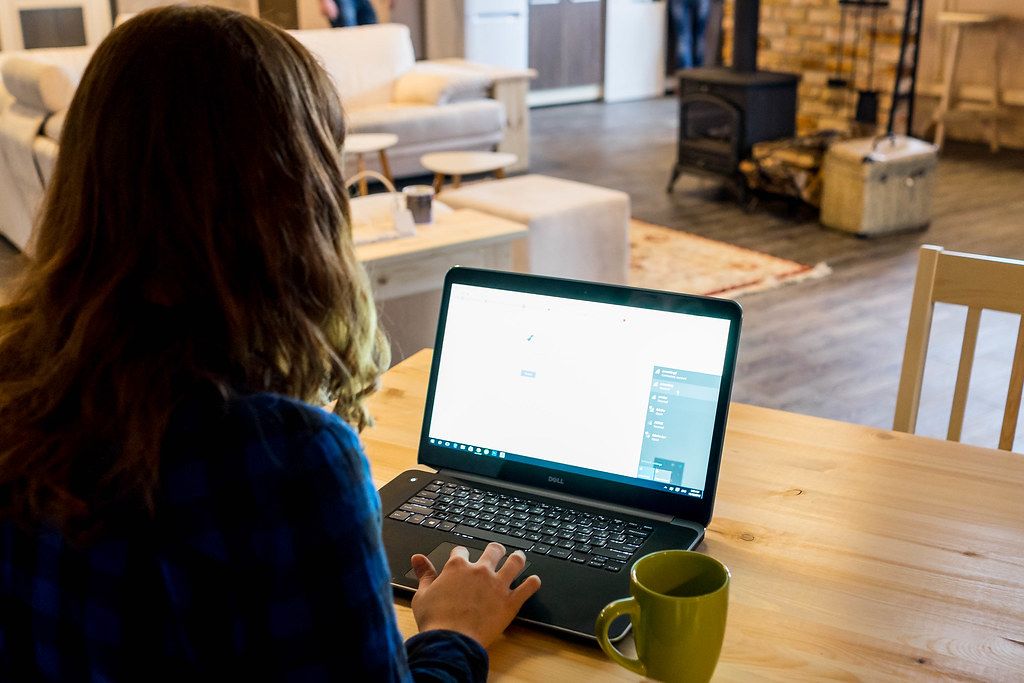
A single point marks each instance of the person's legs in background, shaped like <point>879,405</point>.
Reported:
<point>365,13</point>
<point>700,22</point>
<point>689,18</point>
<point>349,12</point>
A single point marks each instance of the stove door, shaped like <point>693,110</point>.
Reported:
<point>710,133</point>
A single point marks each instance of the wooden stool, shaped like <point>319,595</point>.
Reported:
<point>458,164</point>
<point>957,24</point>
<point>361,144</point>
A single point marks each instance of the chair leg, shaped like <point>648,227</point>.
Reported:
<point>456,181</point>
<point>438,182</point>
<point>385,167</point>
<point>997,90</point>
<point>949,78</point>
<point>364,188</point>
<point>499,173</point>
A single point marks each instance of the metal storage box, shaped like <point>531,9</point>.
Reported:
<point>874,186</point>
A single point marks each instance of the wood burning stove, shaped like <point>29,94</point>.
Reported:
<point>724,111</point>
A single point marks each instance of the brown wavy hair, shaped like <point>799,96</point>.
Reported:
<point>195,233</point>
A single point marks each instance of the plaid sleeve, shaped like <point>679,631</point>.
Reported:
<point>333,616</point>
<point>446,656</point>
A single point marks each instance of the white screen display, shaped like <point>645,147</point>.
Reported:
<point>623,391</point>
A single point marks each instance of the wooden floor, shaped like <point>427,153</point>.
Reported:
<point>829,347</point>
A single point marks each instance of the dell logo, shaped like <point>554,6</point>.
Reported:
<point>556,480</point>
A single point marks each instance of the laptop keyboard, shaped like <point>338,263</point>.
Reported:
<point>597,541</point>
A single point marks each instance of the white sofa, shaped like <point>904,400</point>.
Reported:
<point>430,106</point>
<point>36,88</point>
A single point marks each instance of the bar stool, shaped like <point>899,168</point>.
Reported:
<point>957,25</point>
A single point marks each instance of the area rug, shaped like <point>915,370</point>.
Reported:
<point>663,258</point>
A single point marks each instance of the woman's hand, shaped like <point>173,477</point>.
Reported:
<point>472,598</point>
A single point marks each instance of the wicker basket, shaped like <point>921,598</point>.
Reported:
<point>881,185</point>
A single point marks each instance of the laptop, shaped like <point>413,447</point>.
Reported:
<point>579,422</point>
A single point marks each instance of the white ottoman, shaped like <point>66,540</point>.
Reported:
<point>576,230</point>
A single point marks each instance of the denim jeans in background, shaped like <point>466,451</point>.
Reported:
<point>689,17</point>
<point>354,13</point>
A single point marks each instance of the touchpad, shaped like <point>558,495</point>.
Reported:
<point>439,555</point>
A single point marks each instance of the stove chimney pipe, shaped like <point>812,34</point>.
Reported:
<point>746,16</point>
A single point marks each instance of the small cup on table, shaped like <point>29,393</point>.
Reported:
<point>419,199</point>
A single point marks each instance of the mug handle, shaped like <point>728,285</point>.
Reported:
<point>604,621</point>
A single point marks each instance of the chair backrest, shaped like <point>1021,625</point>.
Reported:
<point>978,282</point>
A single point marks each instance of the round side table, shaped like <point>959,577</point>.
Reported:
<point>458,164</point>
<point>361,144</point>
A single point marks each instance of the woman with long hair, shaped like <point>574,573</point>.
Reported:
<point>171,504</point>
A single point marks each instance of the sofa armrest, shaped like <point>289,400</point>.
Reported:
<point>496,74</point>
<point>45,80</point>
<point>38,86</point>
<point>437,84</point>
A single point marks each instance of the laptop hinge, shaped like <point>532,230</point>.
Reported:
<point>569,498</point>
<point>689,524</point>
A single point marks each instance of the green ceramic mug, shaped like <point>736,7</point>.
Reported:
<point>678,609</point>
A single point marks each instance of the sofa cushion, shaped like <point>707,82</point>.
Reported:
<point>431,83</point>
<point>419,123</point>
<point>363,61</point>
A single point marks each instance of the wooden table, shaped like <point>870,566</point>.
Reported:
<point>856,553</point>
<point>407,273</point>
<point>417,264</point>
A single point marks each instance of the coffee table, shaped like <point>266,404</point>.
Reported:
<point>407,273</point>
<point>361,144</point>
<point>458,164</point>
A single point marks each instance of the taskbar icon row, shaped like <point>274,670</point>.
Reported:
<point>693,493</point>
<point>476,450</point>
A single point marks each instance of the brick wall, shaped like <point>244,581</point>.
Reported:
<point>802,37</point>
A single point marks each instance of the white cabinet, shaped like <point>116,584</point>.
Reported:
<point>484,31</point>
<point>634,49</point>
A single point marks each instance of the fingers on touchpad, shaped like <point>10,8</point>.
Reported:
<point>439,555</point>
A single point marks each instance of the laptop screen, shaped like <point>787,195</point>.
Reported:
<point>622,393</point>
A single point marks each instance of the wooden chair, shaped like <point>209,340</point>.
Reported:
<point>978,282</point>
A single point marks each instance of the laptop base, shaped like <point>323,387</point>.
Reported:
<point>571,594</point>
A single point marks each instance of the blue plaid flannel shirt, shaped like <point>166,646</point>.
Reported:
<point>264,561</point>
